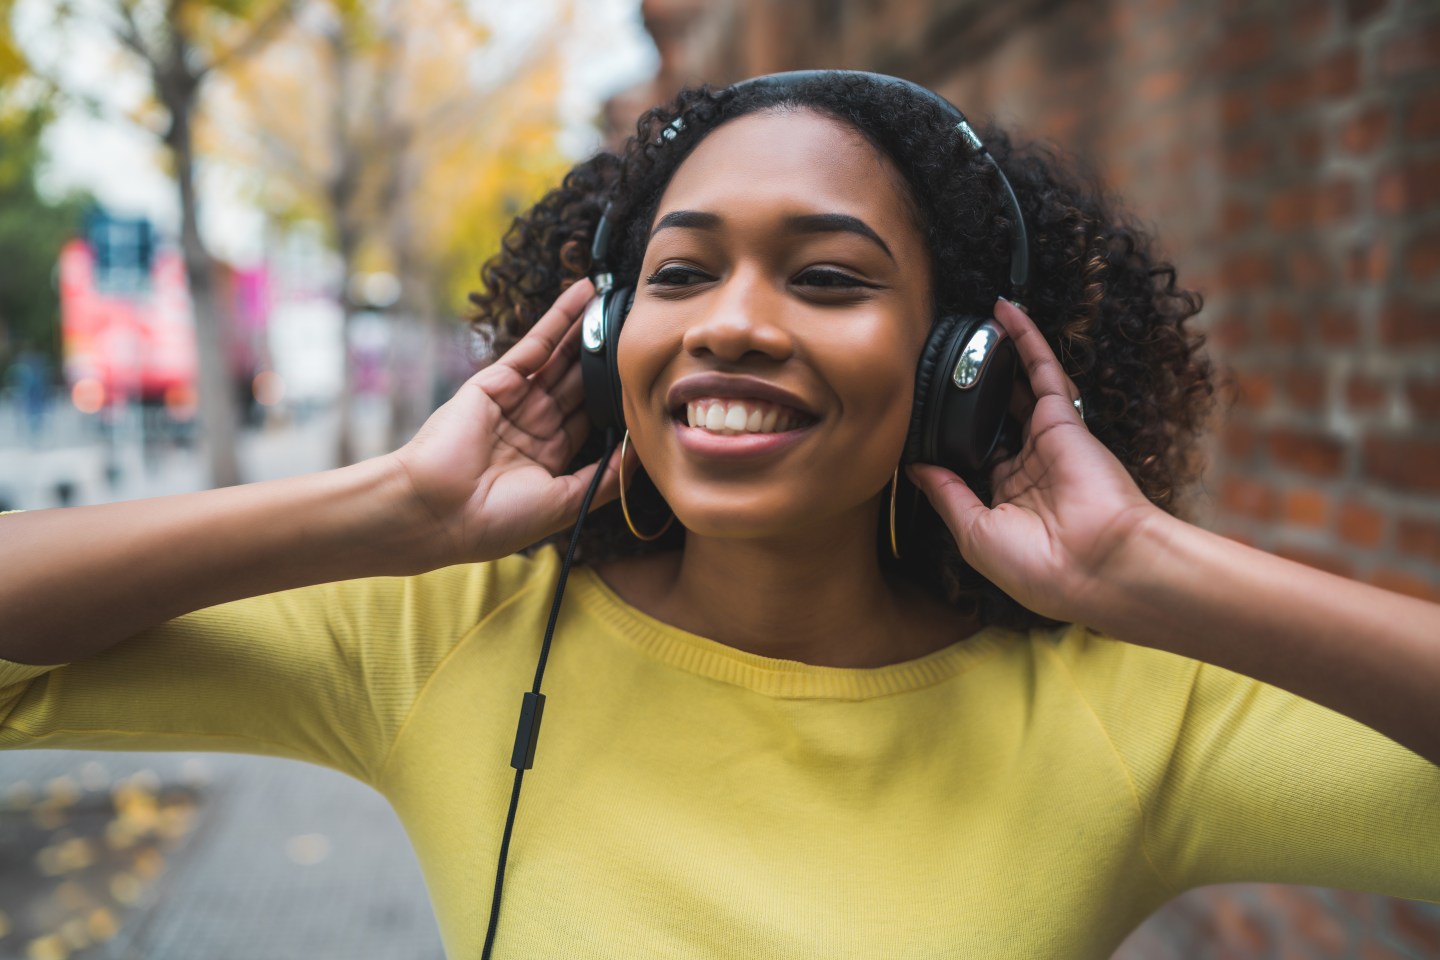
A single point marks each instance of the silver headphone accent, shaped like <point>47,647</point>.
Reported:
<point>976,355</point>
<point>592,326</point>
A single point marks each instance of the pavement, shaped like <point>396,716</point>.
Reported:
<point>275,859</point>
<point>149,856</point>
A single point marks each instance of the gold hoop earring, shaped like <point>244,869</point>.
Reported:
<point>894,486</point>
<point>625,507</point>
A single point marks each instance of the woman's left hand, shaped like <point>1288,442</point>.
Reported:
<point>1065,509</point>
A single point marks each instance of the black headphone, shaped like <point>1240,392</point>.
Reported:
<point>967,366</point>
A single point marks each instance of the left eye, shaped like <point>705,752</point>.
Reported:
<point>834,279</point>
<point>676,276</point>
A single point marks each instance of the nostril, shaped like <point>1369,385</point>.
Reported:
<point>735,335</point>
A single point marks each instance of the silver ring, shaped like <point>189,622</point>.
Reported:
<point>1079,408</point>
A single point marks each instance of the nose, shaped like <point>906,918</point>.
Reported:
<point>747,318</point>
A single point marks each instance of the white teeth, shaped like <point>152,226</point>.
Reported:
<point>730,417</point>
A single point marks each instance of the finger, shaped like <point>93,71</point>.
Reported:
<point>569,393</point>
<point>952,498</point>
<point>562,361</point>
<point>1042,368</point>
<point>1022,400</point>
<point>541,412</point>
<point>575,429</point>
<point>539,417</point>
<point>1014,477</point>
<point>1004,470</point>
<point>537,346</point>
<point>552,444</point>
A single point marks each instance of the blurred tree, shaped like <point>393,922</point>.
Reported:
<point>32,230</point>
<point>14,67</point>
<point>464,185</point>
<point>369,116</point>
<point>179,46</point>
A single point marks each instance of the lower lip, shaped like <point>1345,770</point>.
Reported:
<point>737,446</point>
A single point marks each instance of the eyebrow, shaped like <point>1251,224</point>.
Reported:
<point>796,223</point>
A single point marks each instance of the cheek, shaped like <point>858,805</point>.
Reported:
<point>876,416</point>
<point>645,347</point>
<point>875,379</point>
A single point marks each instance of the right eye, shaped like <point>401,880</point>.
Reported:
<point>677,276</point>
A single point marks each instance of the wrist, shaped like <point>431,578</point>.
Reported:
<point>1124,588</point>
<point>413,537</point>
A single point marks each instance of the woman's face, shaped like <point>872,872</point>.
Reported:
<point>782,304</point>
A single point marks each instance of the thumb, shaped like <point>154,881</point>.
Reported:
<point>952,498</point>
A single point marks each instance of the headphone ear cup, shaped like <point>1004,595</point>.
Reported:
<point>599,371</point>
<point>919,446</point>
<point>961,407</point>
<point>617,308</point>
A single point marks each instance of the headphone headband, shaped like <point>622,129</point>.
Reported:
<point>792,80</point>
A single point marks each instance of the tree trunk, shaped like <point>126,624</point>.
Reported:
<point>216,392</point>
<point>341,187</point>
<point>413,359</point>
<point>347,242</point>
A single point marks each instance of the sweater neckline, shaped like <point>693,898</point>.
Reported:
<point>771,676</point>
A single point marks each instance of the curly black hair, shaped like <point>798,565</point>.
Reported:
<point>1108,307</point>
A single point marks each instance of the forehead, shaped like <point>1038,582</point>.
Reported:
<point>790,160</point>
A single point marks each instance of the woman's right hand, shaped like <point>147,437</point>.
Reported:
<point>487,467</point>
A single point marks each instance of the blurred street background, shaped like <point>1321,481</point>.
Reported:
<point>236,238</point>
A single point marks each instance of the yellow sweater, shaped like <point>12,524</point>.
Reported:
<point>1012,795</point>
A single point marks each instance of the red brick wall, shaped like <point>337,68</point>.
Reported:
<point>1288,154</point>
<point>1331,187</point>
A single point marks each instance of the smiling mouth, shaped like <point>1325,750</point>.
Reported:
<point>733,417</point>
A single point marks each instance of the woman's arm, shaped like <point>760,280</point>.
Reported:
<point>1368,653</point>
<point>81,579</point>
<point>483,478</point>
<point>1072,537</point>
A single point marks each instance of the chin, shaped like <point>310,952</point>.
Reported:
<point>734,515</point>
<point>722,510</point>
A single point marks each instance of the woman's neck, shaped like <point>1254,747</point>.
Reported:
<point>817,596</point>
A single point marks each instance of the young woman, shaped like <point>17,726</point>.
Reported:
<point>1009,718</point>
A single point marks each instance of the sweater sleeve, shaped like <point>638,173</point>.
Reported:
<point>1241,781</point>
<point>325,674</point>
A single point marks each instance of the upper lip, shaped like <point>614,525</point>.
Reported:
<point>738,387</point>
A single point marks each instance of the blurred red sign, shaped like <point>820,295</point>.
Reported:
<point>136,346</point>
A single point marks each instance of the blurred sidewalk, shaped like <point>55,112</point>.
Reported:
<point>283,861</point>
<point>73,461</point>
<point>219,857</point>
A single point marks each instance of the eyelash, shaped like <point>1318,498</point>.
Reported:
<point>659,276</point>
<point>833,279</point>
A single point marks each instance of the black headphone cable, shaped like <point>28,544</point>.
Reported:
<point>527,732</point>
